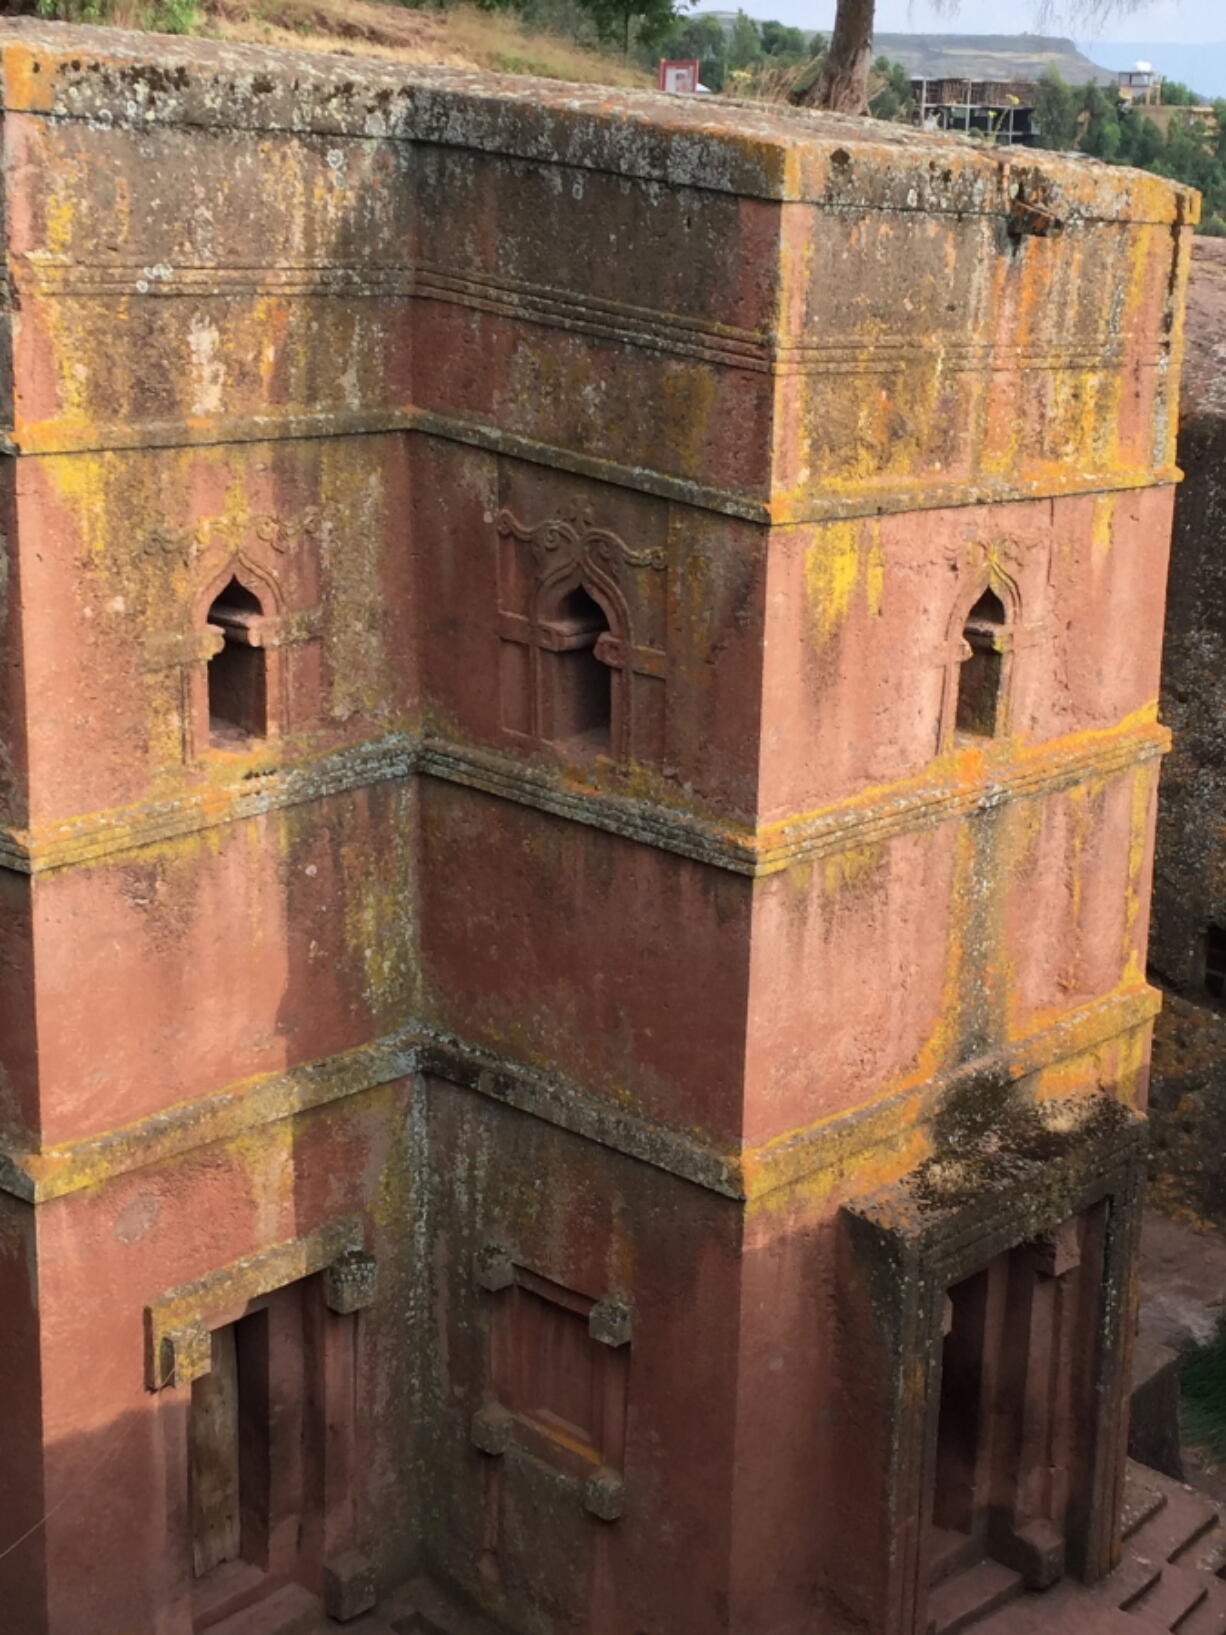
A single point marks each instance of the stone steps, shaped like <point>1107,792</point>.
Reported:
<point>970,1596</point>
<point>293,1610</point>
<point>1170,1599</point>
<point>1206,1554</point>
<point>423,1607</point>
<point>1170,1529</point>
<point>1141,1500</point>
<point>1210,1617</point>
<point>1068,1609</point>
<point>1174,1544</point>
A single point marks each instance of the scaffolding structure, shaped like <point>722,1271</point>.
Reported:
<point>999,110</point>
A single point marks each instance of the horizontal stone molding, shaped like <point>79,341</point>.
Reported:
<point>756,852</point>
<point>40,1176</point>
<point>890,1122</point>
<point>741,1174</point>
<point>575,311</point>
<point>813,503</point>
<point>569,1106</point>
<point>739,848</point>
<point>98,836</point>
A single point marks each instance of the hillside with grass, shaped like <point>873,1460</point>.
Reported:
<point>546,40</point>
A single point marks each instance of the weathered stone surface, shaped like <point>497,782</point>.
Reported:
<point>587,496</point>
<point>349,1586</point>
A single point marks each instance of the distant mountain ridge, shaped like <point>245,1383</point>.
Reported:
<point>991,56</point>
<point>975,56</point>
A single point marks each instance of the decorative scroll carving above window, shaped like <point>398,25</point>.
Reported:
<point>181,544</point>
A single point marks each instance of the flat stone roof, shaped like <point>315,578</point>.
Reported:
<point>754,149</point>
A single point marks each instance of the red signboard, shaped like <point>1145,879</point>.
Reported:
<point>679,76</point>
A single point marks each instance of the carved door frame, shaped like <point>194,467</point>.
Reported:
<point>905,1250</point>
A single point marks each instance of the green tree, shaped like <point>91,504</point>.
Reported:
<point>1101,136</point>
<point>893,97</point>
<point>778,40</point>
<point>1142,142</point>
<point>618,22</point>
<point>1056,109</point>
<point>744,43</point>
<point>1177,95</point>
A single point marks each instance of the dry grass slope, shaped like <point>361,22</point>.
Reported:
<point>462,36</point>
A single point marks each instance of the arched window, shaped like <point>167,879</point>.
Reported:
<point>578,680</point>
<point>981,670</point>
<point>238,680</point>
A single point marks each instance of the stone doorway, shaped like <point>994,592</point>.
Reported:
<point>988,1399</point>
<point>253,1439</point>
<point>1014,1408</point>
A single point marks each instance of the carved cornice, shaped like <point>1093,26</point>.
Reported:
<point>857,821</point>
<point>37,1177</point>
<point>813,503</point>
<point>737,847</point>
<point>177,1324</point>
<point>99,835</point>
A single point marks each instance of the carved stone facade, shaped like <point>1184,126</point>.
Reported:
<point>577,775</point>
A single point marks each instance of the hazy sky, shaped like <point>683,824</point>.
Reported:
<point>1182,21</point>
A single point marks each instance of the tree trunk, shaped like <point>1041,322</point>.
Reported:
<point>842,85</point>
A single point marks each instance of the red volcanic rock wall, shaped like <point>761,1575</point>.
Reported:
<point>524,979</point>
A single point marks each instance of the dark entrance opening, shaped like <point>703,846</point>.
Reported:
<point>255,1446</point>
<point>958,1520</point>
<point>1018,1361</point>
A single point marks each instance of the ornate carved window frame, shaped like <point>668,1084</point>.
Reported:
<point>210,552</point>
<point>567,555</point>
